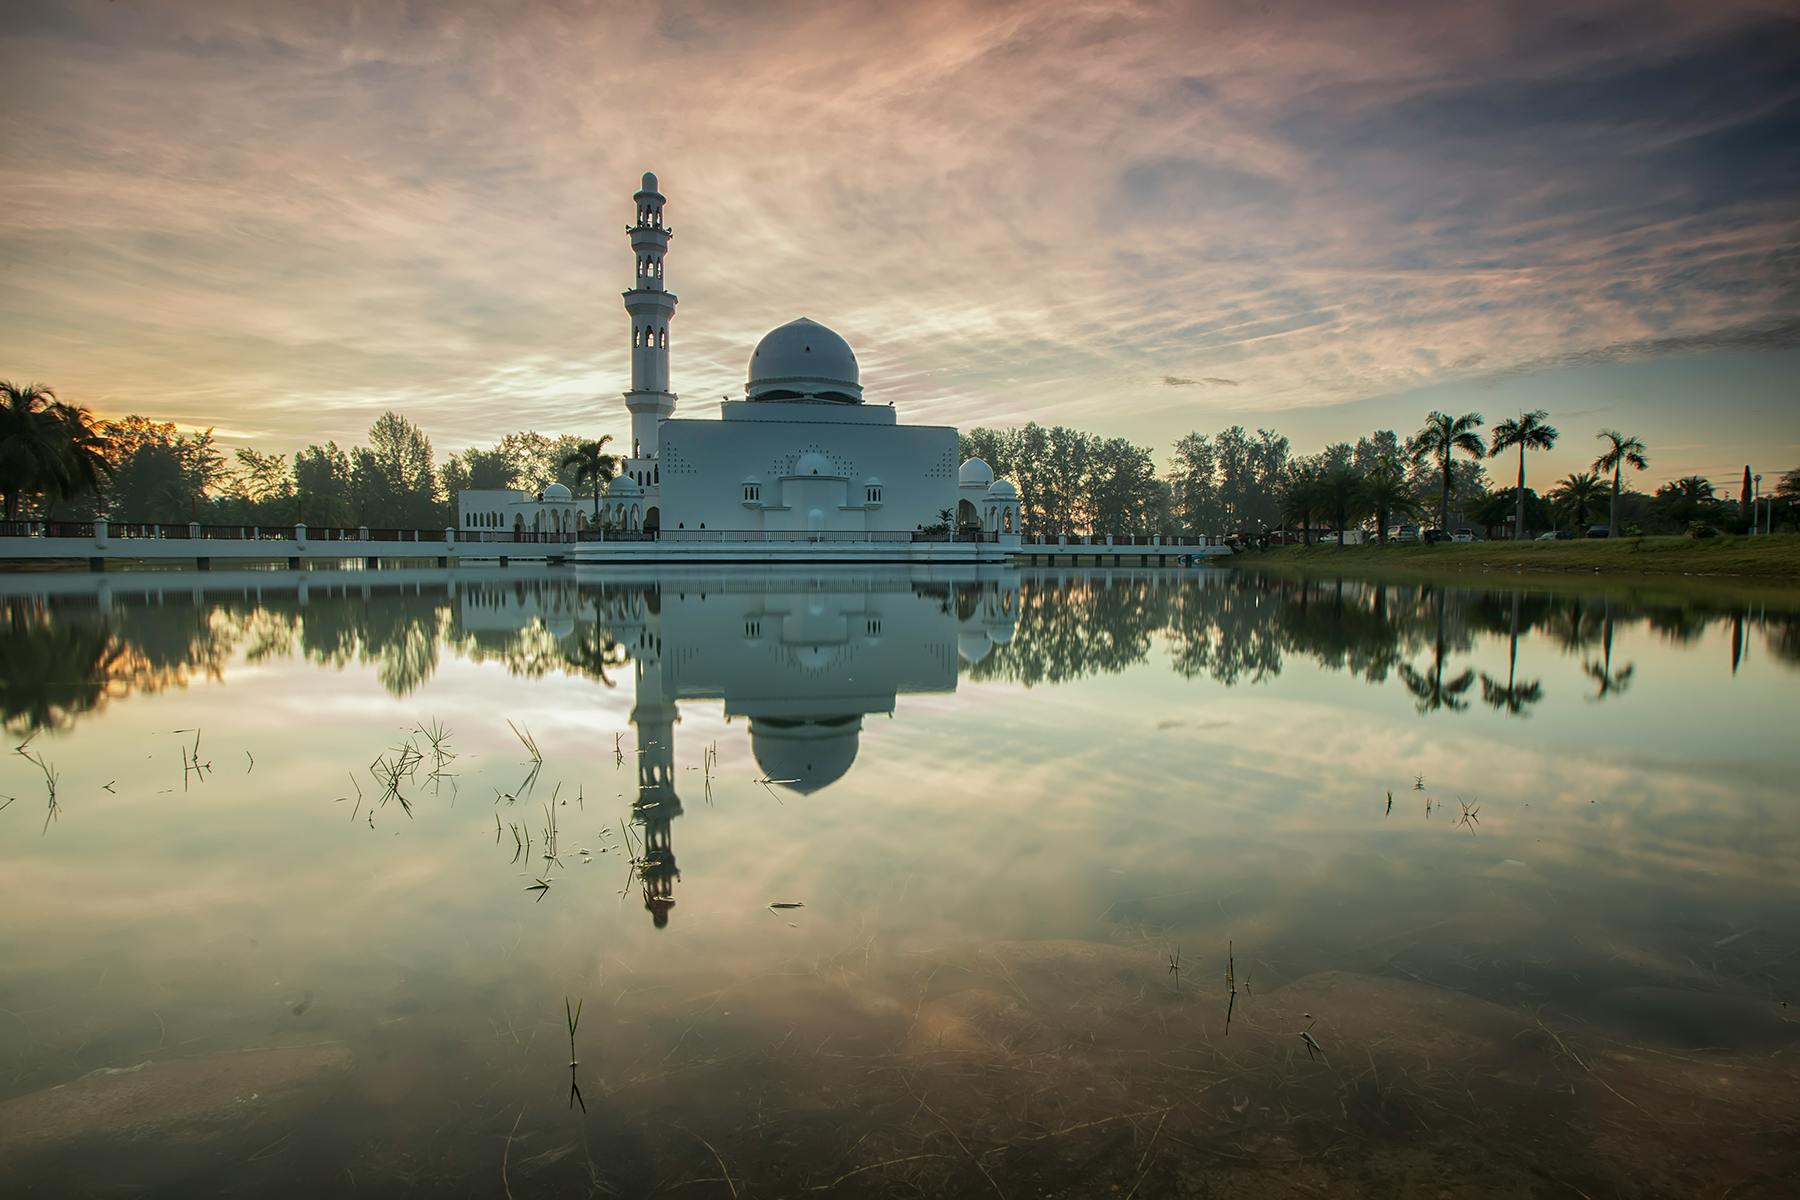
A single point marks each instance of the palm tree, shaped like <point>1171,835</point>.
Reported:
<point>1300,498</point>
<point>1622,451</point>
<point>1340,497</point>
<point>1579,491</point>
<point>47,447</point>
<point>1386,493</point>
<point>592,464</point>
<point>1528,432</point>
<point>1442,436</point>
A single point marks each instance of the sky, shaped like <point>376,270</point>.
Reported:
<point>1140,219</point>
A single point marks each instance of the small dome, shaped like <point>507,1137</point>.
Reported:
<point>803,360</point>
<point>649,181</point>
<point>557,491</point>
<point>972,646</point>
<point>805,755</point>
<point>975,473</point>
<point>814,463</point>
<point>623,485</point>
<point>1003,489</point>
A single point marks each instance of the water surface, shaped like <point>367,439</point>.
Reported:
<point>1077,859</point>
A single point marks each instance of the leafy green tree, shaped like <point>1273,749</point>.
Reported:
<point>393,479</point>
<point>590,463</point>
<point>1438,442</point>
<point>1622,450</point>
<point>1194,492</point>
<point>474,470</point>
<point>323,486</point>
<point>1529,431</point>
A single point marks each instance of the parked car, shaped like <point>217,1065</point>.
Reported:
<point>1463,535</point>
<point>1557,535</point>
<point>1407,535</point>
<point>1433,536</point>
<point>1598,531</point>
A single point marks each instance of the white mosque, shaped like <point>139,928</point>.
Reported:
<point>801,460</point>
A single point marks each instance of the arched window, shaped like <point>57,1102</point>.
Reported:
<point>637,336</point>
<point>662,338</point>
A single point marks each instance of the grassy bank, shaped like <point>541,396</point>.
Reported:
<point>1762,559</point>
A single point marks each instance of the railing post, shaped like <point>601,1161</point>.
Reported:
<point>300,535</point>
<point>256,533</point>
<point>193,530</point>
<point>362,533</point>
<point>100,533</point>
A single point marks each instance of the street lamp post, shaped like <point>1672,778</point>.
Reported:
<point>1755,504</point>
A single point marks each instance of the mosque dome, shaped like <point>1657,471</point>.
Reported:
<point>649,181</point>
<point>975,473</point>
<point>623,485</point>
<point>1003,489</point>
<point>557,491</point>
<point>814,463</point>
<point>803,360</point>
<point>812,752</point>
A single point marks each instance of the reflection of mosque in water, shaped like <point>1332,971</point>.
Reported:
<point>803,660</point>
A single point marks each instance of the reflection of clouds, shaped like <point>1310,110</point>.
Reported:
<point>334,210</point>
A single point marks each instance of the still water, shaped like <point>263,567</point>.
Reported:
<point>1108,883</point>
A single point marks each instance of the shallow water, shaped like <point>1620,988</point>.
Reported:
<point>1077,858</point>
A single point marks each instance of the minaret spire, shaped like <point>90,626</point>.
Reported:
<point>651,307</point>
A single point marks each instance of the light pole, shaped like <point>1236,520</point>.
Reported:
<point>1755,504</point>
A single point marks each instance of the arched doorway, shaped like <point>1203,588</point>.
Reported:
<point>967,515</point>
<point>652,520</point>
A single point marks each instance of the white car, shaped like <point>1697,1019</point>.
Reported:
<point>1463,535</point>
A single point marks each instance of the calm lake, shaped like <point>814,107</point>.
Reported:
<point>1129,883</point>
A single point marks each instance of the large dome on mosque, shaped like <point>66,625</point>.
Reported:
<point>807,754</point>
<point>803,360</point>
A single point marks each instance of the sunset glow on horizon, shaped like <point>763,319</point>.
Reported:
<point>280,220</point>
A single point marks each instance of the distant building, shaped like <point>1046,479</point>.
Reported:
<point>800,453</point>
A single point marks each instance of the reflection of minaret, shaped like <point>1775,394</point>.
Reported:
<point>654,716</point>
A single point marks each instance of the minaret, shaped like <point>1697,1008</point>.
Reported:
<point>651,308</point>
<point>654,715</point>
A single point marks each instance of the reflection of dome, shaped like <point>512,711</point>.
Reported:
<point>803,360</point>
<point>813,463</point>
<point>811,752</point>
<point>975,472</point>
<point>557,491</point>
<point>560,626</point>
<point>973,646</point>
<point>1001,632</point>
<point>624,485</point>
<point>1002,489</point>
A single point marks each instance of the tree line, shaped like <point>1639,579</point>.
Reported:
<point>58,460</point>
<point>1252,485</point>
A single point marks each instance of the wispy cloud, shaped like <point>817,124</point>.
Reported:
<point>288,217</point>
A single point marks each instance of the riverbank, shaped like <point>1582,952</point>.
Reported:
<point>1773,559</point>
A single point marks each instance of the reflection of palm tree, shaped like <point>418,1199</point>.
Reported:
<point>1515,697</point>
<point>54,671</point>
<point>1606,681</point>
<point>1431,690</point>
<point>594,651</point>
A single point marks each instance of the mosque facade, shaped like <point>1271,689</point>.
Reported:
<point>803,457</point>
